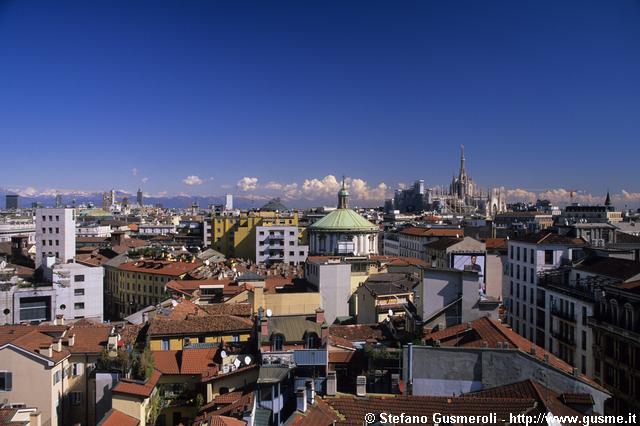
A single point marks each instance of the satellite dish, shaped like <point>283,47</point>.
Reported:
<point>269,313</point>
<point>237,363</point>
<point>206,262</point>
<point>247,360</point>
<point>390,312</point>
<point>3,264</point>
<point>223,354</point>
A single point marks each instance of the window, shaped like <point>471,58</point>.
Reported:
<point>77,369</point>
<point>524,254</point>
<point>56,377</point>
<point>44,218</point>
<point>292,253</point>
<point>584,340</point>
<point>78,292</point>
<point>277,342</point>
<point>76,398</point>
<point>518,253</point>
<point>165,344</point>
<point>235,338</point>
<point>5,381</point>
<point>78,305</point>
<point>57,242</point>
<point>548,257</point>
<point>44,230</point>
<point>57,218</point>
<point>57,230</point>
<point>311,341</point>
<point>291,243</point>
<point>531,257</point>
<point>511,252</point>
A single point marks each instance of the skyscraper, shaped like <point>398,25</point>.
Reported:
<point>12,201</point>
<point>139,199</point>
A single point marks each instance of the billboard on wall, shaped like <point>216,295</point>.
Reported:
<point>471,262</point>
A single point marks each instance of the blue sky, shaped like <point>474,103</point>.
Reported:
<point>544,95</point>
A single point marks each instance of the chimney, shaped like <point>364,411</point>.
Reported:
<point>117,238</point>
<point>301,399</point>
<point>533,350</point>
<point>311,391</point>
<point>574,371</point>
<point>546,358</point>
<point>46,350</point>
<point>361,386</point>
<point>320,316</point>
<point>332,383</point>
<point>59,320</point>
<point>35,419</point>
<point>57,346</point>
<point>264,327</point>
<point>72,340</point>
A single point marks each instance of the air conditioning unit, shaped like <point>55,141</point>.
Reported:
<point>361,386</point>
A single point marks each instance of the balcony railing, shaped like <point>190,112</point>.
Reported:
<point>556,312</point>
<point>563,338</point>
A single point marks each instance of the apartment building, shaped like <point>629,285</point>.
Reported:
<point>55,234</point>
<point>235,236</point>
<point>616,334</point>
<point>280,244</point>
<point>132,284</point>
<point>412,240</point>
<point>527,258</point>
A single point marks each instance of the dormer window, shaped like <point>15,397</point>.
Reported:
<point>277,342</point>
<point>311,341</point>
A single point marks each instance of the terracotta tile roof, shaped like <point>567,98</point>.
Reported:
<point>495,243</point>
<point>486,330</point>
<point>118,418</point>
<point>408,261</point>
<point>433,232</point>
<point>89,337</point>
<point>6,415</point>
<point>317,414</point>
<point>576,398</point>
<point>351,410</point>
<point>228,398</point>
<point>158,267</point>
<point>188,287</point>
<point>33,339</point>
<point>550,238</point>
<point>341,357</point>
<point>547,398</point>
<point>622,269</point>
<point>443,243</point>
<point>236,309</point>
<point>137,388</point>
<point>167,362</point>
<point>199,325</point>
<point>190,361</point>
<point>225,421</point>
<point>236,408</point>
<point>358,332</point>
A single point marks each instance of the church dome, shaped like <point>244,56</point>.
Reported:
<point>343,218</point>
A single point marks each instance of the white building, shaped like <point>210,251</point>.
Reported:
<point>151,229</point>
<point>93,230</point>
<point>17,226</point>
<point>55,234</point>
<point>228,202</point>
<point>528,257</point>
<point>332,277</point>
<point>279,244</point>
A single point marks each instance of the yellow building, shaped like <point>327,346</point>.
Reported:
<point>235,236</point>
<point>134,285</point>
<point>174,334</point>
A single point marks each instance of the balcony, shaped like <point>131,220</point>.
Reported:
<point>297,357</point>
<point>615,329</point>
<point>563,315</point>
<point>276,236</point>
<point>568,340</point>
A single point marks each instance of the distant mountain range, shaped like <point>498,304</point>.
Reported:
<point>169,201</point>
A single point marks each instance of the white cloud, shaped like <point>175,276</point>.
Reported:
<point>628,196</point>
<point>555,195</point>
<point>144,179</point>
<point>320,188</point>
<point>273,185</point>
<point>360,190</point>
<point>247,184</point>
<point>134,171</point>
<point>192,180</point>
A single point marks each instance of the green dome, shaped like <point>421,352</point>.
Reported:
<point>343,220</point>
